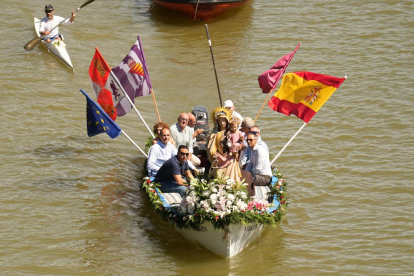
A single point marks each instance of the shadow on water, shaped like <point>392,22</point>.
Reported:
<point>123,217</point>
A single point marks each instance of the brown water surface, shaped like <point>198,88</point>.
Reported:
<point>71,205</point>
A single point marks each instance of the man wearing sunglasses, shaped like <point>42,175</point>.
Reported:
<point>170,175</point>
<point>50,21</point>
<point>258,171</point>
<point>246,158</point>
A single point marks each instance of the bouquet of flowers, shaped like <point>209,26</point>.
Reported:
<point>220,201</point>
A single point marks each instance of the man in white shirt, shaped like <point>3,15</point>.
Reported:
<point>160,152</point>
<point>258,171</point>
<point>50,21</point>
<point>246,157</point>
<point>182,135</point>
<point>191,123</point>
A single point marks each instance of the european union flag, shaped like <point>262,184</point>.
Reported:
<point>97,121</point>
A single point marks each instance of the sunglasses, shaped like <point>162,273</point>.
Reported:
<point>48,11</point>
<point>249,140</point>
<point>254,132</point>
<point>184,153</point>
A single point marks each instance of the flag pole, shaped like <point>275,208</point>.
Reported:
<point>276,82</point>
<point>155,103</point>
<point>126,135</point>
<point>291,139</point>
<point>214,64</point>
<point>148,78</point>
<point>129,99</point>
<point>268,96</point>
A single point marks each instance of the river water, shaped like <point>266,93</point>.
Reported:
<point>71,205</point>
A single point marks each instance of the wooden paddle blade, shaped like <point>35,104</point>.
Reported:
<point>32,43</point>
<point>86,3</point>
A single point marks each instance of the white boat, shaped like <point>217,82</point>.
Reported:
<point>57,47</point>
<point>224,229</point>
<point>226,242</point>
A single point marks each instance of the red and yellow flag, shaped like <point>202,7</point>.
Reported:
<point>99,72</point>
<point>303,94</point>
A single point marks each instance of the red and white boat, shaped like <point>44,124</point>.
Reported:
<point>201,9</point>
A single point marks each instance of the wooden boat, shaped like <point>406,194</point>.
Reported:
<point>201,9</point>
<point>224,229</point>
<point>56,47</point>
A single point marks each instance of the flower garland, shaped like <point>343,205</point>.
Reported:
<point>221,201</point>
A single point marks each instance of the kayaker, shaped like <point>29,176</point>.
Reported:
<point>50,21</point>
<point>171,172</point>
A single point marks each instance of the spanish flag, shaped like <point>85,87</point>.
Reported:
<point>303,94</point>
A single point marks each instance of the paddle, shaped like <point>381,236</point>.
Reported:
<point>32,43</point>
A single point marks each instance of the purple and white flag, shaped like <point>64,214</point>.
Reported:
<point>133,75</point>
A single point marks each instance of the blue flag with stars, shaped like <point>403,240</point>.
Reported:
<point>97,121</point>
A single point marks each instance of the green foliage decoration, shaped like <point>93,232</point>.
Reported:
<point>221,202</point>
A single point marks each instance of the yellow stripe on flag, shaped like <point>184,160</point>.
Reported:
<point>296,89</point>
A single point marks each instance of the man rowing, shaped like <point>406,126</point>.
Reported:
<point>50,21</point>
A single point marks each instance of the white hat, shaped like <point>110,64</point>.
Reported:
<point>228,103</point>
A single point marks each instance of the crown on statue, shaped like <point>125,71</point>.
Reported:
<point>220,112</point>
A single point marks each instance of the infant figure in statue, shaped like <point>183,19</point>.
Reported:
<point>234,138</point>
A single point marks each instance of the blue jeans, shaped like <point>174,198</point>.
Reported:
<point>172,187</point>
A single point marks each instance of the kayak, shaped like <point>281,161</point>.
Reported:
<point>56,47</point>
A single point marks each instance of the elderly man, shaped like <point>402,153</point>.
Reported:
<point>191,124</point>
<point>170,173</point>
<point>230,106</point>
<point>245,126</point>
<point>258,171</point>
<point>182,135</point>
<point>160,152</point>
<point>246,158</point>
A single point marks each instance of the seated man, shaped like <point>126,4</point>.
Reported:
<point>258,171</point>
<point>183,135</point>
<point>246,158</point>
<point>160,152</point>
<point>170,173</point>
<point>245,126</point>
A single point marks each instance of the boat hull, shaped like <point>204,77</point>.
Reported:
<point>205,10</point>
<point>227,243</point>
<point>58,48</point>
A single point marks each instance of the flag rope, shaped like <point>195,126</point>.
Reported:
<point>291,139</point>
